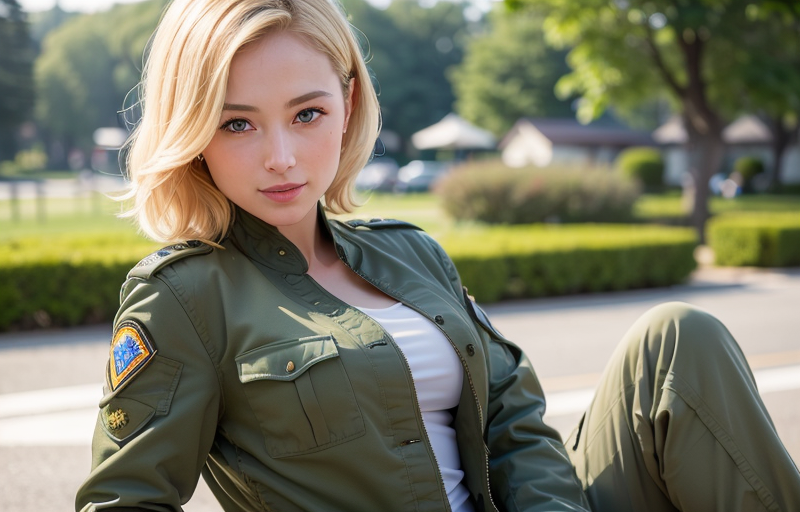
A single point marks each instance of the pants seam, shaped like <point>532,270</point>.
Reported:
<point>693,399</point>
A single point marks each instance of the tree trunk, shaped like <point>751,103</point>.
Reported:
<point>706,151</point>
<point>704,129</point>
<point>781,138</point>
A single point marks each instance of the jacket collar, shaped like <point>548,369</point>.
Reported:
<point>264,244</point>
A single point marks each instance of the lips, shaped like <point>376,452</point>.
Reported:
<point>284,192</point>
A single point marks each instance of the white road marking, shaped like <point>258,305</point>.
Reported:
<point>67,416</point>
<point>46,401</point>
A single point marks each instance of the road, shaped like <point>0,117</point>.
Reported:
<point>50,382</point>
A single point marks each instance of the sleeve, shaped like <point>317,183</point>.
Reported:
<point>529,469</point>
<point>158,417</point>
<point>528,465</point>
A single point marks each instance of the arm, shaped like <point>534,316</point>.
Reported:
<point>154,429</point>
<point>528,465</point>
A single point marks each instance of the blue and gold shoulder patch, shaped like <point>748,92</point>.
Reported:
<point>131,350</point>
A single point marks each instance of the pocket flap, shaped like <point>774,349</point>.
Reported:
<point>123,417</point>
<point>285,360</point>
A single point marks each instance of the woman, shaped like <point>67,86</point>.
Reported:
<point>300,363</point>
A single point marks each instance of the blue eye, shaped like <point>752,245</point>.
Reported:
<point>236,126</point>
<point>308,115</point>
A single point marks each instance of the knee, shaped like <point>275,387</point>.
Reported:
<point>677,328</point>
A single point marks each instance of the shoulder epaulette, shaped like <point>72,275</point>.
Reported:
<point>381,224</point>
<point>159,259</point>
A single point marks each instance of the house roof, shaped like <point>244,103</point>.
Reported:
<point>671,132</point>
<point>568,131</point>
<point>745,130</point>
<point>453,132</point>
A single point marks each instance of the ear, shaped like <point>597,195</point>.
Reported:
<point>348,104</point>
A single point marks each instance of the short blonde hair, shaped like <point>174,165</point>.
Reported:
<point>182,93</point>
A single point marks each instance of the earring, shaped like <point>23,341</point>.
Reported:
<point>200,158</point>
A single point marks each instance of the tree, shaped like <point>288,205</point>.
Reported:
<point>625,52</point>
<point>770,83</point>
<point>509,72</point>
<point>16,75</point>
<point>87,68</point>
<point>409,50</point>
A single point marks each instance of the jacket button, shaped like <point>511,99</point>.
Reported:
<point>290,367</point>
<point>439,319</point>
<point>471,349</point>
<point>282,252</point>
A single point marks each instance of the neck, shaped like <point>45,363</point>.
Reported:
<point>307,236</point>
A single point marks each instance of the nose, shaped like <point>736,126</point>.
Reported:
<point>279,153</point>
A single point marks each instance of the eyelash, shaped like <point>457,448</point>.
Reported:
<point>227,124</point>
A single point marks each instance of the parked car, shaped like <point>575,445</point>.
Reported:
<point>380,175</point>
<point>420,175</point>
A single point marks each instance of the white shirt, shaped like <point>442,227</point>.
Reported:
<point>438,377</point>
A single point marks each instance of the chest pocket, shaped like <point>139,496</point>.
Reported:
<point>301,395</point>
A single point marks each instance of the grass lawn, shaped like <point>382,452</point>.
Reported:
<point>58,217</point>
<point>669,206</point>
<point>61,216</point>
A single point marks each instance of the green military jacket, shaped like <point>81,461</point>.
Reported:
<point>234,363</point>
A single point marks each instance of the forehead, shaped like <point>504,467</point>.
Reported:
<point>279,57</point>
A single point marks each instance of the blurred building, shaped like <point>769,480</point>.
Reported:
<point>746,136</point>
<point>565,141</point>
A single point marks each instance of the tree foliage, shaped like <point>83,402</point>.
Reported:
<point>509,72</point>
<point>410,48</point>
<point>16,75</point>
<point>88,66</point>
<point>769,81</point>
<point>697,54</point>
<point>90,63</point>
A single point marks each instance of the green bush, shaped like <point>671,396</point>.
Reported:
<point>493,193</point>
<point>644,165</point>
<point>64,281</point>
<point>748,167</point>
<point>546,260</point>
<point>755,239</point>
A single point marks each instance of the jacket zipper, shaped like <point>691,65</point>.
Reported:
<point>463,364</point>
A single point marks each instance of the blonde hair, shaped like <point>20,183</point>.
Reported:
<point>182,93</point>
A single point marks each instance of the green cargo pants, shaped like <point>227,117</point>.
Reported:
<point>677,424</point>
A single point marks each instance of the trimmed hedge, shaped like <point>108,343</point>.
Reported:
<point>755,239</point>
<point>64,281</point>
<point>546,260</point>
<point>490,192</point>
<point>72,281</point>
<point>645,165</point>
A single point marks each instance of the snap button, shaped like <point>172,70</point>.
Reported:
<point>439,319</point>
<point>290,366</point>
<point>471,349</point>
<point>281,252</point>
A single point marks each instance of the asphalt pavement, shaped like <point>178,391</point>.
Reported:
<point>50,382</point>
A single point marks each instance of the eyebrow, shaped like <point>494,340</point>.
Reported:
<point>307,97</point>
<point>235,106</point>
<point>289,104</point>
